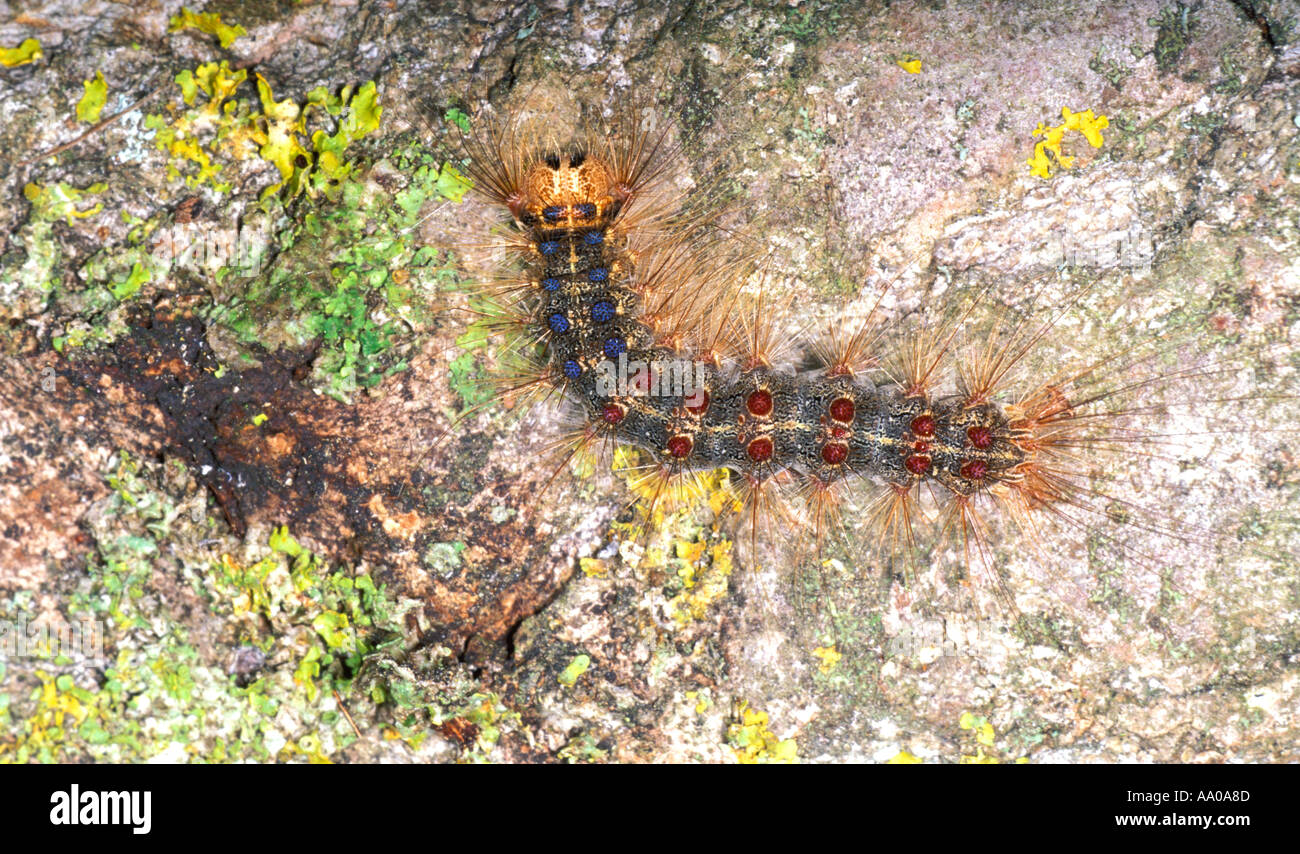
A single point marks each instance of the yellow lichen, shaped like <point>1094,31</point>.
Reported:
<point>984,735</point>
<point>704,581</point>
<point>58,710</point>
<point>276,133</point>
<point>206,22</point>
<point>1047,151</point>
<point>829,656</point>
<point>902,757</point>
<point>593,567</point>
<point>753,743</point>
<point>28,51</point>
<point>911,66</point>
<point>278,141</point>
<point>702,701</point>
<point>92,102</point>
<point>59,201</point>
<point>690,552</point>
<point>983,730</point>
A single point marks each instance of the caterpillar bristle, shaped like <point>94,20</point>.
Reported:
<point>823,502</point>
<point>764,511</point>
<point>665,487</point>
<point>850,350</point>
<point>854,348</point>
<point>639,147</point>
<point>497,163</point>
<point>919,360</point>
<point>755,340</point>
<point>891,517</point>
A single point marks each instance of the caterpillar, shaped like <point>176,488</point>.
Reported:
<point>654,335</point>
<point>737,411</point>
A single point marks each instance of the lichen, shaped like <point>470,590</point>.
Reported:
<point>351,276</point>
<point>578,666</point>
<point>981,732</point>
<point>1174,28</point>
<point>159,697</point>
<point>206,22</point>
<point>754,744</point>
<point>92,101</point>
<point>704,579</point>
<point>1047,151</point>
<point>27,51</point>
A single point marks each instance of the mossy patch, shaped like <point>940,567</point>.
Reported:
<point>165,695</point>
<point>351,279</point>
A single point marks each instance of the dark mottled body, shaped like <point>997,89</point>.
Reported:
<point>757,422</point>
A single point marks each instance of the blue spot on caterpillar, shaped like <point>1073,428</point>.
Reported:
<point>614,346</point>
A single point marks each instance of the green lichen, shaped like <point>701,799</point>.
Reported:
<point>578,666</point>
<point>60,201</point>
<point>582,749</point>
<point>444,559</point>
<point>25,291</point>
<point>443,697</point>
<point>1113,71</point>
<point>1174,28</point>
<point>811,22</point>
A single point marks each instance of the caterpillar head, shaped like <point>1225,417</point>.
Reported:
<point>562,191</point>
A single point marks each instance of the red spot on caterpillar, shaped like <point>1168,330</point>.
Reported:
<point>613,413</point>
<point>840,432</point>
<point>917,463</point>
<point>974,470</point>
<point>842,409</point>
<point>980,437</point>
<point>759,403</point>
<point>760,449</point>
<point>835,453</point>
<point>702,403</point>
<point>923,425</point>
<point>680,446</point>
<point>921,447</point>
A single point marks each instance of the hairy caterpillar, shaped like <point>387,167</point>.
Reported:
<point>657,333</point>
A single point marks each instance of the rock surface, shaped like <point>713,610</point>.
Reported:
<point>239,332</point>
